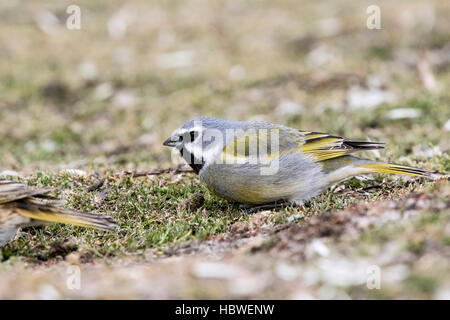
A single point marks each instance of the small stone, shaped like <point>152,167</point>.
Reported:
<point>48,292</point>
<point>287,108</point>
<point>48,145</point>
<point>403,113</point>
<point>87,70</point>
<point>125,99</point>
<point>9,173</point>
<point>214,270</point>
<point>360,98</point>
<point>76,172</point>
<point>103,91</point>
<point>236,72</point>
<point>286,272</point>
<point>447,125</point>
<point>176,59</point>
<point>318,247</point>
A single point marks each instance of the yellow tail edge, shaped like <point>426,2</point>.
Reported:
<point>405,170</point>
<point>90,220</point>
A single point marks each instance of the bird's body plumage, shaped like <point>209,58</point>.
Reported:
<point>298,178</point>
<point>23,206</point>
<point>305,162</point>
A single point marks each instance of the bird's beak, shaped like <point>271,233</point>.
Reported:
<point>170,142</point>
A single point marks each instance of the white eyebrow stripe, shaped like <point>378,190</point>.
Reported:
<point>183,131</point>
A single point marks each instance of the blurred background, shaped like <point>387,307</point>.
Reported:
<point>103,97</point>
<point>108,94</point>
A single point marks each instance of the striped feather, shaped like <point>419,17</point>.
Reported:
<point>11,191</point>
<point>34,203</point>
<point>43,211</point>
<point>323,146</point>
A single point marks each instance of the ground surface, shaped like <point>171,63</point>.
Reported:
<point>80,107</point>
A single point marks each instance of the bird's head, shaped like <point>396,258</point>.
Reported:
<point>200,140</point>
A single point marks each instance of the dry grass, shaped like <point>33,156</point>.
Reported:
<point>103,98</point>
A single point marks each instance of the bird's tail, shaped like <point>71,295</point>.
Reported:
<point>344,167</point>
<point>379,167</point>
<point>42,211</point>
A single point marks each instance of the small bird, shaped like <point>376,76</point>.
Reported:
<point>24,206</point>
<point>229,158</point>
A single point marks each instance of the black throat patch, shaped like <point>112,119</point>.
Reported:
<point>193,162</point>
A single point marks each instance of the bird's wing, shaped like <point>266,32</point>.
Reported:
<point>11,191</point>
<point>323,146</point>
<point>34,203</point>
<point>261,142</point>
<point>46,211</point>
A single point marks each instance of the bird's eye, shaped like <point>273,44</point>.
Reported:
<point>194,135</point>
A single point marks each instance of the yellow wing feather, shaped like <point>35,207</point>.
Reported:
<point>321,146</point>
<point>46,212</point>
